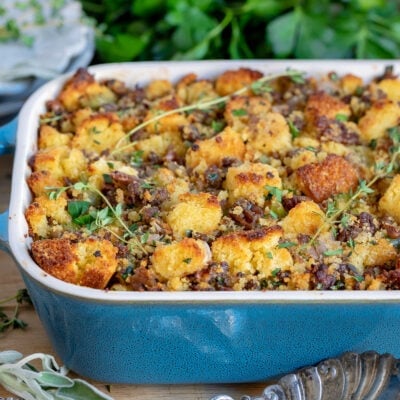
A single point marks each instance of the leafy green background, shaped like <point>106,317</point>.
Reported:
<point>222,29</point>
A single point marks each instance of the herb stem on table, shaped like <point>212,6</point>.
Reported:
<point>13,322</point>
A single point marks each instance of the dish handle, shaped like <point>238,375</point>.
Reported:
<point>4,232</point>
<point>8,134</point>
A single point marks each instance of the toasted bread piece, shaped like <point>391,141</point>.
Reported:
<point>231,81</point>
<point>195,212</point>
<point>91,262</point>
<point>181,258</point>
<point>330,177</point>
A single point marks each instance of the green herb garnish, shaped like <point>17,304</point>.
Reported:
<point>341,117</point>
<point>335,252</point>
<point>285,245</point>
<point>20,377</point>
<point>293,129</point>
<point>13,321</point>
<point>239,112</point>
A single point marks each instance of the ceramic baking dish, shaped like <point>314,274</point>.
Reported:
<point>190,337</point>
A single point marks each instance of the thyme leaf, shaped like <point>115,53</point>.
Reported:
<point>295,75</point>
<point>13,321</point>
<point>364,188</point>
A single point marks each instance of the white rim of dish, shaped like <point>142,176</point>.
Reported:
<point>20,197</point>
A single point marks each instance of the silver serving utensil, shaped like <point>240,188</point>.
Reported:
<point>352,376</point>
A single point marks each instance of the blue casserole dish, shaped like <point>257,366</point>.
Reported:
<point>189,337</point>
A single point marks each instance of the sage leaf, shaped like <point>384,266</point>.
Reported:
<point>81,391</point>
<point>54,379</point>
<point>9,356</point>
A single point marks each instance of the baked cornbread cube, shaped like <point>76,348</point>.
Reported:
<point>161,143</point>
<point>39,181</point>
<point>390,87</point>
<point>43,214</point>
<point>300,157</point>
<point>74,165</point>
<point>181,258</point>
<point>335,148</point>
<point>270,134</point>
<point>350,83</point>
<point>390,201</point>
<point>91,262</point>
<point>378,119</point>
<point>197,212</point>
<point>158,88</point>
<point>169,123</point>
<point>83,91</point>
<point>332,176</point>
<point>250,181</point>
<point>251,252</point>
<point>305,218</point>
<point>80,115</point>
<point>61,162</point>
<point>197,91</point>
<point>372,253</point>
<point>240,111</point>
<point>227,144</point>
<point>324,105</point>
<point>174,185</point>
<point>50,137</point>
<point>97,169</point>
<point>50,160</point>
<point>98,133</point>
<point>233,80</point>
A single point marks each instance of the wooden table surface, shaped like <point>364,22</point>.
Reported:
<point>33,339</point>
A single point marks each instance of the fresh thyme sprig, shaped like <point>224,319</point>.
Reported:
<point>20,377</point>
<point>384,170</point>
<point>257,86</point>
<point>100,218</point>
<point>13,322</point>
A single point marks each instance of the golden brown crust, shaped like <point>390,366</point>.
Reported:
<point>305,218</point>
<point>383,115</point>
<point>200,212</point>
<point>181,258</point>
<point>88,263</point>
<point>322,180</point>
<point>323,105</point>
<point>390,201</point>
<point>227,144</point>
<point>251,181</point>
<point>57,258</point>
<point>82,90</point>
<point>38,181</point>
<point>231,81</point>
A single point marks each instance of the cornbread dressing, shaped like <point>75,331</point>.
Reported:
<point>238,182</point>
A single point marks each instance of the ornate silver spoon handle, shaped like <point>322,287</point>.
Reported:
<point>352,376</point>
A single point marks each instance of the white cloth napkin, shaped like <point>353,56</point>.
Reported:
<point>40,38</point>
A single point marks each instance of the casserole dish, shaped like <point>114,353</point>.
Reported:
<point>190,337</point>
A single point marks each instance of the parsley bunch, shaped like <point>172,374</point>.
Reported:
<point>222,29</point>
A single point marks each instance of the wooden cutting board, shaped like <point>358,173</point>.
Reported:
<point>34,340</point>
